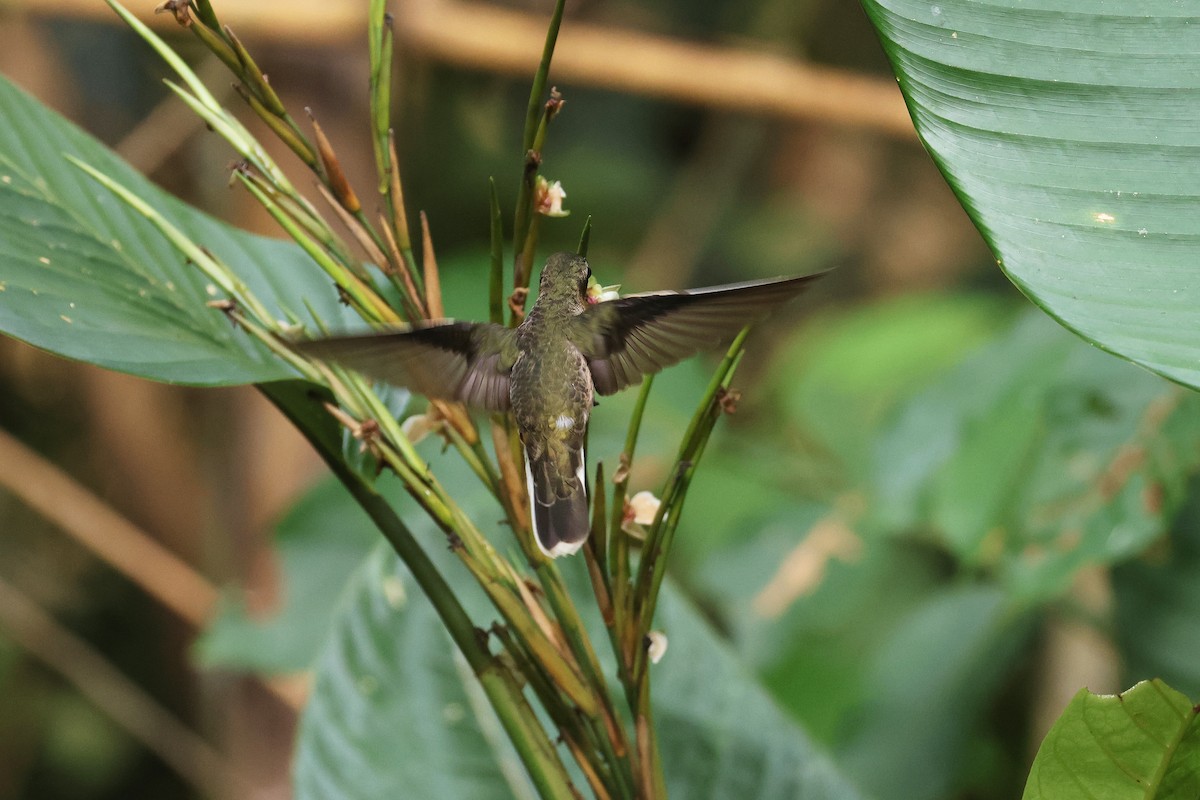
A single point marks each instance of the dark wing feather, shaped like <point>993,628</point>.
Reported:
<point>634,336</point>
<point>464,361</point>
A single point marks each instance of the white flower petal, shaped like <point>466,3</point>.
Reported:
<point>549,198</point>
<point>644,507</point>
<point>656,646</point>
<point>418,426</point>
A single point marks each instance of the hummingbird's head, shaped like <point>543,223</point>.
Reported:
<point>565,277</point>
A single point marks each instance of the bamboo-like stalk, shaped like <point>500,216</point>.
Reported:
<point>477,459</point>
<point>216,44</point>
<point>400,276</point>
<point>304,215</point>
<point>585,237</point>
<point>540,77</point>
<point>355,226</point>
<point>331,169</point>
<point>518,718</point>
<point>479,557</point>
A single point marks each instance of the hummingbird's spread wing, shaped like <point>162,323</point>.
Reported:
<point>465,361</point>
<point>639,334</point>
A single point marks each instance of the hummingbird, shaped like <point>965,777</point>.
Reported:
<point>549,369</point>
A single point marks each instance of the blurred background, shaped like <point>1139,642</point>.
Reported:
<point>867,529</point>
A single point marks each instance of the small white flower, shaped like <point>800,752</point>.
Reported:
<point>601,294</point>
<point>418,426</point>
<point>548,198</point>
<point>644,506</point>
<point>640,511</point>
<point>656,646</point>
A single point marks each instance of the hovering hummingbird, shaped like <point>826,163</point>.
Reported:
<point>548,370</point>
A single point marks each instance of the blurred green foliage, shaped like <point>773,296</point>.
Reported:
<point>964,461</point>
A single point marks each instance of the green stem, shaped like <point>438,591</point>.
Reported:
<point>363,298</point>
<point>529,247</point>
<point>496,275</point>
<point>481,462</point>
<point>585,237</point>
<point>522,219</point>
<point>651,758</point>
<point>379,40</point>
<point>533,110</point>
<point>658,540</point>
<point>603,721</point>
<point>618,539</point>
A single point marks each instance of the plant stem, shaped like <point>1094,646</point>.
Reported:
<point>622,630</point>
<point>652,568</point>
<point>533,110</point>
<point>496,274</point>
<point>523,219</point>
<point>379,40</point>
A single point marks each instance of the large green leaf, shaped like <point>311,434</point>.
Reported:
<point>1143,744</point>
<point>1069,130</point>
<point>392,714</point>
<point>84,276</point>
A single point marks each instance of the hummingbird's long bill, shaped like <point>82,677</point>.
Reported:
<point>547,371</point>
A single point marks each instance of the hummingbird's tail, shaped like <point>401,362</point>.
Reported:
<point>558,502</point>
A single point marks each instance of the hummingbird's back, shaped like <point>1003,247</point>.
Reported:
<point>551,393</point>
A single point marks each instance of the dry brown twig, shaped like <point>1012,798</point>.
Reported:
<point>118,542</point>
<point>496,39</point>
<point>190,756</point>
